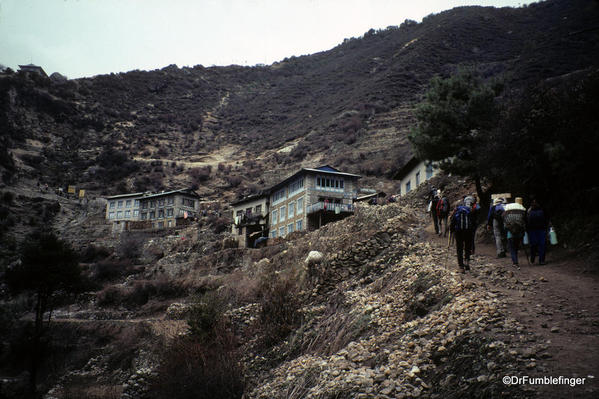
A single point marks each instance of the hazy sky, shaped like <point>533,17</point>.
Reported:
<point>89,37</point>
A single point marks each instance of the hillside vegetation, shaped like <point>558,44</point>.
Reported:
<point>187,314</point>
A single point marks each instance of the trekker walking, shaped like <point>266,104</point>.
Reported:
<point>442,213</point>
<point>470,201</point>
<point>514,221</point>
<point>462,228</point>
<point>434,200</point>
<point>495,223</point>
<point>538,224</point>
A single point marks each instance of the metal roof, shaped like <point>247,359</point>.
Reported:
<point>187,191</point>
<point>125,195</point>
<point>250,198</point>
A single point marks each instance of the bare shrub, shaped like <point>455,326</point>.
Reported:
<point>205,364</point>
<point>94,253</point>
<point>200,175</point>
<point>130,246</point>
<point>139,293</point>
<point>218,224</point>
<point>111,269</point>
<point>191,369</point>
<point>279,316</point>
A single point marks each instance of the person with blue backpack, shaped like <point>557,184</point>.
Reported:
<point>495,223</point>
<point>462,227</point>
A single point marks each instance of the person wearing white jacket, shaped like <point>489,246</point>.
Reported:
<point>514,221</point>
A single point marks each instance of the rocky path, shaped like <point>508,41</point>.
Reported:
<point>558,306</point>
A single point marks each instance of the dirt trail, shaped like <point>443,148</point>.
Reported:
<point>558,305</point>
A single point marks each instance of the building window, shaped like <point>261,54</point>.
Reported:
<point>135,213</point>
<point>170,223</point>
<point>417,178</point>
<point>169,212</point>
<point>258,209</point>
<point>161,214</point>
<point>119,215</point>
<point>189,203</point>
<point>273,234</point>
<point>329,183</point>
<point>291,210</point>
<point>136,203</point>
<point>296,186</point>
<point>248,211</point>
<point>160,225</point>
<point>429,171</point>
<point>127,214</point>
<point>298,225</point>
<point>112,204</point>
<point>110,215</point>
<point>300,205</point>
<point>290,228</point>
<point>282,213</point>
<point>170,200</point>
<point>281,231</point>
<point>144,215</point>
<point>120,204</point>
<point>161,202</point>
<point>128,204</point>
<point>152,215</point>
<point>408,186</point>
<point>273,219</point>
<point>144,205</point>
<point>152,204</point>
<point>278,196</point>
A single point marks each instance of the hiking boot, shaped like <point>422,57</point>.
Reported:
<point>462,270</point>
<point>467,264</point>
<point>501,255</point>
<point>542,263</point>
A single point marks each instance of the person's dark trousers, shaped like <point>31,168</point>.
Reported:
<point>435,221</point>
<point>537,245</point>
<point>514,243</point>
<point>463,242</point>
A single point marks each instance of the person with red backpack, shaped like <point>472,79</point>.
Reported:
<point>462,227</point>
<point>442,213</point>
<point>514,221</point>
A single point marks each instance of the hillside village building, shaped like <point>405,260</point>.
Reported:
<point>151,210</point>
<point>415,172</point>
<point>250,219</point>
<point>304,201</point>
<point>30,68</point>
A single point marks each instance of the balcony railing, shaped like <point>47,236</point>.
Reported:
<point>253,218</point>
<point>329,207</point>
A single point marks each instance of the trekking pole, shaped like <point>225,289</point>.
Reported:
<point>526,253</point>
<point>448,244</point>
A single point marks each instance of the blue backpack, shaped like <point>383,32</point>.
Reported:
<point>462,219</point>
